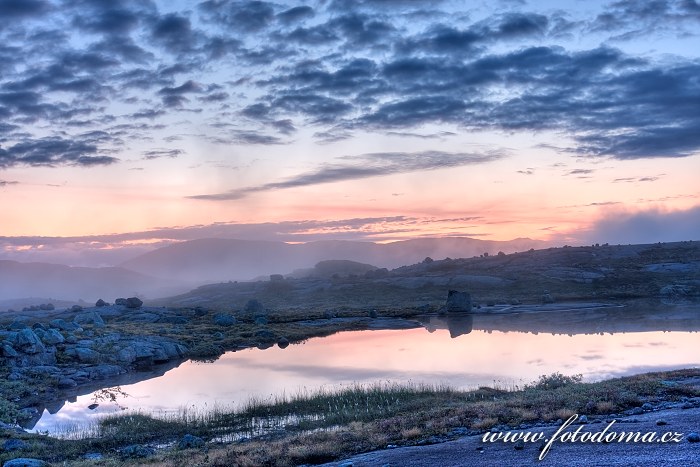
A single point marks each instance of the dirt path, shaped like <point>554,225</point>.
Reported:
<point>472,451</point>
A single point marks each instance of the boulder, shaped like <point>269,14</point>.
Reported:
<point>51,337</point>
<point>224,320</point>
<point>64,325</point>
<point>190,441</point>
<point>76,308</point>
<point>66,383</point>
<point>17,325</point>
<point>28,342</point>
<point>458,302</point>
<point>7,351</point>
<point>547,298</point>
<point>260,320</point>
<point>26,462</point>
<point>255,307</point>
<point>136,451</point>
<point>134,302</point>
<point>89,317</point>
<point>100,303</point>
<point>84,354</point>
<point>120,301</point>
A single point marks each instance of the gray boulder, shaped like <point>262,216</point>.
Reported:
<point>120,301</point>
<point>134,302</point>
<point>28,342</point>
<point>26,462</point>
<point>51,337</point>
<point>224,320</point>
<point>7,351</point>
<point>64,325</point>
<point>100,303</point>
<point>458,302</point>
<point>190,441</point>
<point>89,317</point>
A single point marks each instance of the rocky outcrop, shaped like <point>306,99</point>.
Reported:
<point>458,302</point>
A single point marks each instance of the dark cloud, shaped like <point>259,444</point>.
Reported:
<point>23,8</point>
<point>296,14</point>
<point>174,32</point>
<point>244,16</point>
<point>53,151</point>
<point>4,183</point>
<point>365,166</point>
<point>159,153</point>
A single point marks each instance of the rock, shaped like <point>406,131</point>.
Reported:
<point>261,320</point>
<point>583,419</point>
<point>265,335</point>
<point>66,383</point>
<point>93,406</point>
<point>190,441</point>
<point>547,298</point>
<point>76,308</point>
<point>36,326</point>
<point>84,354</point>
<point>647,407</point>
<point>661,422</point>
<point>136,451</point>
<point>26,462</point>
<point>675,291</point>
<point>519,446</point>
<point>693,437</point>
<point>134,302</point>
<point>93,456</point>
<point>64,325</point>
<point>17,325</point>
<point>104,371</point>
<point>7,351</point>
<point>51,337</point>
<point>28,342</point>
<point>120,301</point>
<point>224,320</point>
<point>47,307</point>
<point>458,302</point>
<point>14,445</point>
<point>373,314</point>
<point>255,307</point>
<point>283,343</point>
<point>89,317</point>
<point>100,303</point>
<point>200,311</point>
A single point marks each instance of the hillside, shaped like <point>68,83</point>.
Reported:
<point>668,271</point>
<point>213,260</point>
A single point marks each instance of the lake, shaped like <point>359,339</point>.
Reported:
<point>464,352</point>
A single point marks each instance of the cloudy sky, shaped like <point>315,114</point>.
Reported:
<point>144,121</point>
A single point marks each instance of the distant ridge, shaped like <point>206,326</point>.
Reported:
<point>19,280</point>
<point>217,259</point>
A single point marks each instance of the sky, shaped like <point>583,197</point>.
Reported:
<point>138,123</point>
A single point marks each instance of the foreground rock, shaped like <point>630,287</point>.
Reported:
<point>458,302</point>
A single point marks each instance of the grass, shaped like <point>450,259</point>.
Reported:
<point>325,425</point>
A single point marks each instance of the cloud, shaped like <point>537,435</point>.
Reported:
<point>647,226</point>
<point>364,166</point>
<point>159,153</point>
<point>53,151</point>
<point>4,183</point>
<point>23,8</point>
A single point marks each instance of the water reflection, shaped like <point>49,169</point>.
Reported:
<point>464,351</point>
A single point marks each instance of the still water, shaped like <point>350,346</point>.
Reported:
<point>464,352</point>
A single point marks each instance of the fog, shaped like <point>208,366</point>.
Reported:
<point>183,266</point>
<point>650,226</point>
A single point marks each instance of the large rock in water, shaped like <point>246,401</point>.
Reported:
<point>458,302</point>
